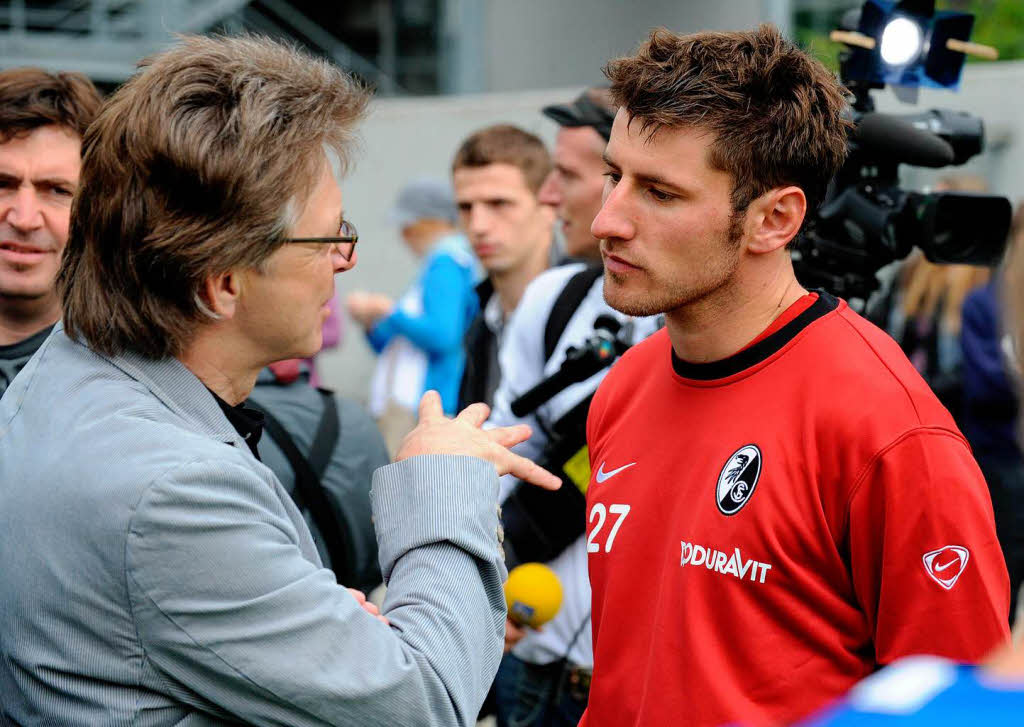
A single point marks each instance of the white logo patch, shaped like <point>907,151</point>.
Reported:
<point>946,564</point>
<point>738,479</point>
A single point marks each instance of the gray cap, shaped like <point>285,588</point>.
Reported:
<point>421,199</point>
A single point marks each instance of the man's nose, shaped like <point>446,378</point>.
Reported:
<point>341,263</point>
<point>479,219</point>
<point>612,221</point>
<point>24,213</point>
<point>551,190</point>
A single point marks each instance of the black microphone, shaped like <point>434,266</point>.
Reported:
<point>897,138</point>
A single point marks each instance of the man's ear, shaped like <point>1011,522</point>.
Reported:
<point>219,294</point>
<point>775,218</point>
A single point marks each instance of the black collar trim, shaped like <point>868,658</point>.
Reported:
<point>759,351</point>
<point>26,346</point>
<point>248,422</point>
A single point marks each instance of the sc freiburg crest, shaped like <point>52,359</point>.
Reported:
<point>738,479</point>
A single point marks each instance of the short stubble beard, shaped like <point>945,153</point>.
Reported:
<point>664,298</point>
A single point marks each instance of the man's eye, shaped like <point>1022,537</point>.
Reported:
<point>659,195</point>
<point>614,177</point>
<point>63,192</point>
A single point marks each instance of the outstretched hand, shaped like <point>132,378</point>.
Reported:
<point>437,434</point>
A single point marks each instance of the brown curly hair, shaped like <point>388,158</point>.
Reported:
<point>777,114</point>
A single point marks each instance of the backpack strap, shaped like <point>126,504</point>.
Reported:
<point>328,432</point>
<point>566,303</point>
<point>308,486</point>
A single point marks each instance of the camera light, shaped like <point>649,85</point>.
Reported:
<point>901,41</point>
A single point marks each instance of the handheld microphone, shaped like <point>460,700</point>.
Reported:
<point>533,594</point>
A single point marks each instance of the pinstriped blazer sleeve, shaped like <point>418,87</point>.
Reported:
<point>234,619</point>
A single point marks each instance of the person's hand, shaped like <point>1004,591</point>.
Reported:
<point>513,634</point>
<point>368,308</point>
<point>437,434</point>
<point>369,607</point>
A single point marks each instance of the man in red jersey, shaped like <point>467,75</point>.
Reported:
<point>779,504</point>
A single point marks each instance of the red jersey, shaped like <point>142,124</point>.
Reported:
<point>766,530</point>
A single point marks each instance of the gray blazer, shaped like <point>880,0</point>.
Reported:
<point>152,572</point>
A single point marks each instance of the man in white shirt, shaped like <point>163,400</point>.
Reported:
<point>497,174</point>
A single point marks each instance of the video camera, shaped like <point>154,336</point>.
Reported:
<point>867,220</point>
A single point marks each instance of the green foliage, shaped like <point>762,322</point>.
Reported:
<point>998,23</point>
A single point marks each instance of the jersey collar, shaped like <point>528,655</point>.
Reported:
<point>761,350</point>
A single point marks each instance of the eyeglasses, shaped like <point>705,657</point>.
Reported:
<point>345,241</point>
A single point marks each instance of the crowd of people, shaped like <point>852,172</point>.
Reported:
<point>765,500</point>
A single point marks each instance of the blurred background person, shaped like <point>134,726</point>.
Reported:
<point>42,119</point>
<point>419,337</point>
<point>922,310</point>
<point>497,174</point>
<point>574,186</point>
<point>991,410</point>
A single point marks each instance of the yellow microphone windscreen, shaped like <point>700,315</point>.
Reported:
<point>533,594</point>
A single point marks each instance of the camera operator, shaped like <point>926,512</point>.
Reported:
<point>544,680</point>
<point>780,505</point>
<point>153,569</point>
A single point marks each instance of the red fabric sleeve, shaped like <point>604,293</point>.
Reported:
<point>926,564</point>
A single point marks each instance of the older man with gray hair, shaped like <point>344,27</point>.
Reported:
<point>152,570</point>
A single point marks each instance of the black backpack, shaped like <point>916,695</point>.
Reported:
<point>539,524</point>
<point>309,490</point>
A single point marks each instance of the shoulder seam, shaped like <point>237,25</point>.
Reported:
<point>884,363</point>
<point>899,439</point>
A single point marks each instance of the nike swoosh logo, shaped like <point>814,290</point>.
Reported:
<point>602,475</point>
<point>941,568</point>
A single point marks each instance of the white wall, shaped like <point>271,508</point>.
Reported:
<point>550,44</point>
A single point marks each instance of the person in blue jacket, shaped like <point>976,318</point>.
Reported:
<point>419,336</point>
